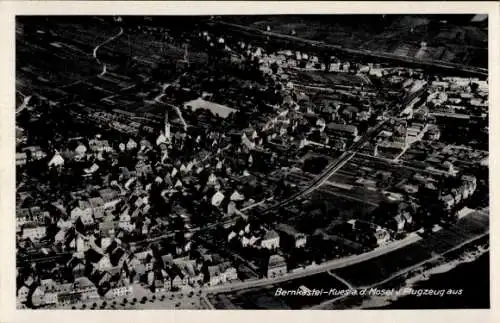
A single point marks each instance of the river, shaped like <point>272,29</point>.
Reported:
<point>472,277</point>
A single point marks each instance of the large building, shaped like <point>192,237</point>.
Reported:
<point>270,240</point>
<point>276,266</point>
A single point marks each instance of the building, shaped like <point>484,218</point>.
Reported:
<point>37,296</point>
<point>85,288</point>
<point>22,294</point>
<point>415,132</point>
<point>131,144</point>
<point>87,219</point>
<point>214,275</point>
<point>159,280</point>
<point>290,236</point>
<point>34,232</point>
<point>217,199</point>
<point>82,244</point>
<point>66,294</point>
<point>82,209</point>
<point>80,151</point>
<point>97,206</point>
<point>448,201</point>
<point>21,159</point>
<point>381,236</point>
<point>117,257</point>
<point>23,215</point>
<point>110,198</point>
<point>120,290</point>
<point>57,160</point>
<point>216,109</point>
<point>36,152</point>
<point>470,184</point>
<point>399,222</point>
<point>48,285</point>
<point>343,130</point>
<point>50,298</point>
<point>107,228</point>
<point>104,263</point>
<point>221,273</point>
<point>229,272</point>
<point>179,280</point>
<point>142,169</point>
<point>97,145</point>
<point>37,215</point>
<point>276,266</point>
<point>270,240</point>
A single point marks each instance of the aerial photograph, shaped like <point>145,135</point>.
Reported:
<point>291,162</point>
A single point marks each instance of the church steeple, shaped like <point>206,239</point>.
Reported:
<point>167,127</point>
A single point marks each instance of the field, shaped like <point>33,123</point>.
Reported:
<point>327,78</point>
<point>449,38</point>
<point>91,58</point>
<point>324,209</point>
<point>364,178</point>
<point>65,47</point>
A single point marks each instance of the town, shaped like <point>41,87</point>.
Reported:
<point>167,165</point>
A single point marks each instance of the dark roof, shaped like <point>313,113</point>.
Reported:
<point>287,229</point>
<point>116,255</point>
<point>112,246</point>
<point>341,127</point>
<point>73,262</point>
<point>92,256</point>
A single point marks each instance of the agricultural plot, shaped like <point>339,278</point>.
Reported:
<point>329,78</point>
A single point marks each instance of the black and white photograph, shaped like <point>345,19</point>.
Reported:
<point>247,162</point>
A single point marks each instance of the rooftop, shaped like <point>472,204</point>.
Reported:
<point>217,109</point>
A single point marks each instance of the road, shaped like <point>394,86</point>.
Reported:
<point>343,262</point>
<point>403,271</point>
<point>317,269</point>
<point>337,164</point>
<point>24,104</point>
<point>329,171</point>
<point>401,163</point>
<point>176,108</point>
<point>362,52</point>
<point>317,182</point>
<point>94,53</point>
<point>342,280</point>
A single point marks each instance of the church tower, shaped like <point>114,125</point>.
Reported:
<point>167,127</point>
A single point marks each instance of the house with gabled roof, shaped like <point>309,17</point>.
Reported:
<point>270,240</point>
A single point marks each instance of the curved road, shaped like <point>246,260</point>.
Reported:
<point>24,104</point>
<point>94,53</point>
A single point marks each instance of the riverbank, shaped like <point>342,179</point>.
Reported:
<point>465,271</point>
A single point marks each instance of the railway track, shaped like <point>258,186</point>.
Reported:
<point>345,157</point>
